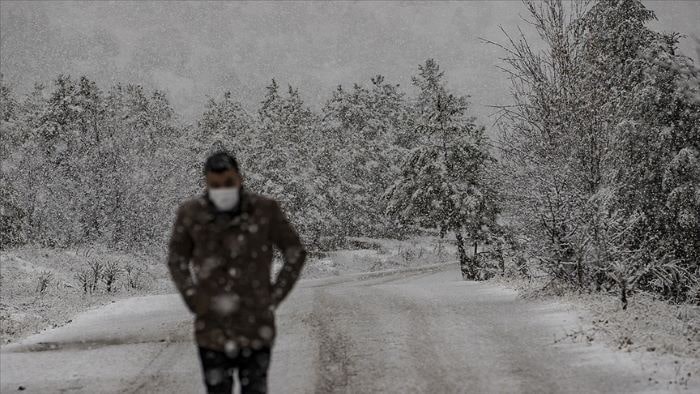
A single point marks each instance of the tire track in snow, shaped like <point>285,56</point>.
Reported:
<point>151,375</point>
<point>333,347</point>
<point>368,337</point>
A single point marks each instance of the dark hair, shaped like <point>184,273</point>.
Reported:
<point>219,162</point>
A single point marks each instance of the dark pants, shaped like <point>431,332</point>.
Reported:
<point>218,369</point>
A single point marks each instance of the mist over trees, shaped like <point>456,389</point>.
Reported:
<point>594,179</point>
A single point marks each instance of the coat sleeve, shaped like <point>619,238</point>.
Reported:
<point>287,240</point>
<point>179,254</point>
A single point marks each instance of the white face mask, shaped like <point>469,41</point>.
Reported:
<point>225,198</point>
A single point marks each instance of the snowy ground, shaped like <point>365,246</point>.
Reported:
<point>668,334</point>
<point>372,254</point>
<point>421,330</point>
<point>24,310</point>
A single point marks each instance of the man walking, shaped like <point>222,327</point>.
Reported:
<point>220,258</point>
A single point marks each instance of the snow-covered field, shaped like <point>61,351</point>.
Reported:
<point>405,332</point>
<point>25,309</point>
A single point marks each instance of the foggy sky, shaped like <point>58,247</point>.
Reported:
<point>195,49</point>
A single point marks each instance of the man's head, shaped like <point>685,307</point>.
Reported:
<point>223,180</point>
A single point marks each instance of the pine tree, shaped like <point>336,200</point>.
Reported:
<point>281,163</point>
<point>226,125</point>
<point>360,153</point>
<point>442,183</point>
<point>12,214</point>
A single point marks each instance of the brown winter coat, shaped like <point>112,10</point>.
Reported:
<point>221,263</point>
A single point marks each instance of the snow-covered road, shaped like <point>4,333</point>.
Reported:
<point>423,331</point>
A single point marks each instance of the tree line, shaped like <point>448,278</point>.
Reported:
<point>82,165</point>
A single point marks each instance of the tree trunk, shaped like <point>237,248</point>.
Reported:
<point>623,293</point>
<point>579,272</point>
<point>475,260</point>
<point>463,260</point>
